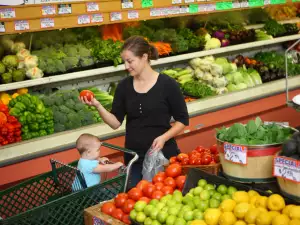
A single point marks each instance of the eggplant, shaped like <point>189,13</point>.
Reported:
<point>219,34</point>
<point>290,147</point>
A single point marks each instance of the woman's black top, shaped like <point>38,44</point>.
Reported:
<point>148,114</point>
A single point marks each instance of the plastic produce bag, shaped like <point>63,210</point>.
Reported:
<point>153,163</point>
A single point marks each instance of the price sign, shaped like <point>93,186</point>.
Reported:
<point>133,14</point>
<point>92,7</point>
<point>210,7</point>
<point>47,22</point>
<point>64,9</point>
<point>189,1</point>
<point>147,3</point>
<point>286,168</point>
<point>21,25</point>
<point>202,8</point>
<point>236,5</point>
<point>176,1</point>
<point>127,4</point>
<point>267,2</point>
<point>277,123</point>
<point>2,27</point>
<point>48,10</point>
<point>201,0</point>
<point>256,3</point>
<point>184,9</point>
<point>174,10</point>
<point>224,5</point>
<point>7,13</point>
<point>84,19</point>
<point>193,8</point>
<point>235,153</point>
<point>244,4</point>
<point>276,2</point>
<point>115,16</point>
<point>97,18</point>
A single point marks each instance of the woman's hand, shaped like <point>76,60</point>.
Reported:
<point>94,102</point>
<point>158,144</point>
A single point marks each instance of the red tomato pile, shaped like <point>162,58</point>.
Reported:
<point>162,184</point>
<point>199,156</point>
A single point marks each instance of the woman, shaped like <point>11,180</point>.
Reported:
<point>148,100</point>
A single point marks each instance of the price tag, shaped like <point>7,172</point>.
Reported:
<point>276,2</point>
<point>21,25</point>
<point>147,3</point>
<point>47,22</point>
<point>92,7</point>
<point>256,3</point>
<point>176,1</point>
<point>133,14</point>
<point>184,9</point>
<point>189,1</point>
<point>286,168</point>
<point>153,12</point>
<point>236,5</point>
<point>201,0</point>
<point>7,13</point>
<point>48,10</point>
<point>210,7</point>
<point>202,8</point>
<point>2,27</point>
<point>193,8</point>
<point>244,4</point>
<point>235,153</point>
<point>97,18</point>
<point>174,10</point>
<point>84,19</point>
<point>277,123</point>
<point>127,4</point>
<point>64,9</point>
<point>223,5</point>
<point>115,16</point>
<point>267,2</point>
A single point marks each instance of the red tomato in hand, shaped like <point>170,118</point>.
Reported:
<point>126,219</point>
<point>167,190</point>
<point>120,199</point>
<point>160,177</point>
<point>108,208</point>
<point>170,182</point>
<point>145,199</point>
<point>206,159</point>
<point>173,170</point>
<point>88,94</point>
<point>135,194</point>
<point>148,190</point>
<point>118,214</point>
<point>157,195</point>
<point>213,149</point>
<point>159,186</point>
<point>128,206</point>
<point>142,184</point>
<point>182,156</point>
<point>173,160</point>
<point>180,181</point>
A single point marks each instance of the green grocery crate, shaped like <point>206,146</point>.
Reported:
<point>43,200</point>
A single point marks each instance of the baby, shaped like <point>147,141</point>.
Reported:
<point>90,163</point>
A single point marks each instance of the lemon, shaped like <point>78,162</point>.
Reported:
<point>240,196</point>
<point>241,209</point>
<point>281,220</point>
<point>253,199</point>
<point>294,212</point>
<point>294,222</point>
<point>276,202</point>
<point>198,222</point>
<point>286,210</point>
<point>252,193</point>
<point>251,215</point>
<point>240,222</point>
<point>212,215</point>
<point>227,218</point>
<point>274,213</point>
<point>262,210</point>
<point>264,219</point>
<point>227,205</point>
<point>261,201</point>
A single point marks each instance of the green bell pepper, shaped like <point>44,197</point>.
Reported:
<point>50,130</point>
<point>34,126</point>
<point>42,133</point>
<point>20,106</point>
<point>40,118</point>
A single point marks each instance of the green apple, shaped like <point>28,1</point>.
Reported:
<point>132,214</point>
<point>154,202</point>
<point>202,183</point>
<point>139,206</point>
<point>192,191</point>
<point>214,203</point>
<point>173,211</point>
<point>180,214</point>
<point>192,205</point>
<point>189,222</point>
<point>197,191</point>
<point>176,192</point>
<point>164,200</point>
<point>165,209</point>
<point>171,220</point>
<point>177,198</point>
<point>198,215</point>
<point>154,213</point>
<point>186,208</point>
<point>188,216</point>
<point>231,190</point>
<point>224,197</point>
<point>140,217</point>
<point>212,192</point>
<point>171,203</point>
<point>148,221</point>
<point>196,200</point>
<point>178,206</point>
<point>203,205</point>
<point>217,196</point>
<point>205,195</point>
<point>160,205</point>
<point>180,221</point>
<point>222,189</point>
<point>168,196</point>
<point>209,187</point>
<point>148,209</point>
<point>155,222</point>
<point>162,217</point>
<point>187,199</point>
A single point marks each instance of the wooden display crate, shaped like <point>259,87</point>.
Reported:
<point>94,216</point>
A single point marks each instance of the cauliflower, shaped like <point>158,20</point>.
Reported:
<point>207,37</point>
<point>10,61</point>
<point>18,46</point>
<point>216,70</point>
<point>31,61</point>
<point>212,44</point>
<point>221,90</point>
<point>199,73</point>
<point>205,67</point>
<point>22,54</point>
<point>219,82</point>
<point>207,77</point>
<point>209,58</point>
<point>195,63</point>
<point>34,73</point>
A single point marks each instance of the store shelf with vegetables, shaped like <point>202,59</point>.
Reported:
<point>218,63</point>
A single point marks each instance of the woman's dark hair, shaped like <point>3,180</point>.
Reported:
<point>139,46</point>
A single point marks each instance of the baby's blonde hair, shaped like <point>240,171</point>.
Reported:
<point>84,142</point>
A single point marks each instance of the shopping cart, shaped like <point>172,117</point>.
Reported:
<point>48,199</point>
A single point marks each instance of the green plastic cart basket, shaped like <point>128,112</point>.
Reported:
<point>48,199</point>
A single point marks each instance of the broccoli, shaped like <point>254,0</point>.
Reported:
<point>72,116</point>
<point>86,61</point>
<point>70,62</point>
<point>60,117</point>
<point>59,127</point>
<point>48,101</point>
<point>58,100</point>
<point>70,103</point>
<point>64,109</point>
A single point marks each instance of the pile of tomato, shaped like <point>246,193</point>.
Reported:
<point>199,156</point>
<point>162,184</point>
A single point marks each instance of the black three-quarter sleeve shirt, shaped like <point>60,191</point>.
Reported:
<point>148,114</point>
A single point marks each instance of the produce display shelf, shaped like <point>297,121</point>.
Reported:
<point>66,140</point>
<point>162,61</point>
<point>259,26</point>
